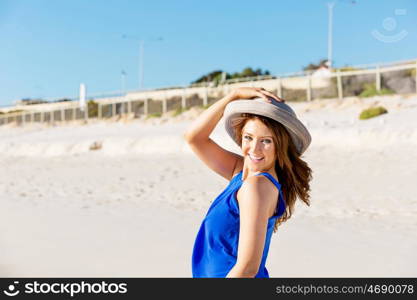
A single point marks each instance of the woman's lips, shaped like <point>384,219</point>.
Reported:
<point>254,159</point>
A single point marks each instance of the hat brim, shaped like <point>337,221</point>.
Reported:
<point>279,112</point>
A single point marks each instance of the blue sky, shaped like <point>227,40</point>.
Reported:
<point>49,47</point>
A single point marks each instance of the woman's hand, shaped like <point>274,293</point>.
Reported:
<point>250,93</point>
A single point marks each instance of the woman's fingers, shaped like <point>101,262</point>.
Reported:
<point>263,96</point>
<point>261,92</point>
<point>252,92</point>
<point>271,95</point>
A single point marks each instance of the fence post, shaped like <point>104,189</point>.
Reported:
<point>129,106</point>
<point>415,75</point>
<point>62,114</point>
<point>52,116</point>
<point>279,88</point>
<point>74,111</point>
<point>378,78</point>
<point>309,87</point>
<point>23,118</point>
<point>32,117</point>
<point>113,109</point>
<point>339,85</point>
<point>86,111</point>
<point>183,98</point>
<point>164,103</point>
<point>145,107</point>
<point>227,88</point>
<point>42,116</point>
<point>205,100</point>
<point>99,111</point>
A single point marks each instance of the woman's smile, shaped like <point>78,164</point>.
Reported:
<point>255,159</point>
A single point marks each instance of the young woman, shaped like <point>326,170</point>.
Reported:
<point>264,182</point>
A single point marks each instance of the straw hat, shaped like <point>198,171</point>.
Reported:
<point>277,111</point>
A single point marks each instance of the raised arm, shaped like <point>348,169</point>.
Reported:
<point>197,136</point>
<point>215,157</point>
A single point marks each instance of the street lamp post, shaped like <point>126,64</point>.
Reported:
<point>141,50</point>
<point>330,35</point>
<point>141,56</point>
<point>330,6</point>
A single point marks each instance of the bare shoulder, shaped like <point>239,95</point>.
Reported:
<point>258,192</point>
<point>259,185</point>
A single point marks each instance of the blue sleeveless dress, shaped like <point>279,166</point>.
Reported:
<point>215,247</point>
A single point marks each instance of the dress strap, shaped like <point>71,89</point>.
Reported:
<point>270,177</point>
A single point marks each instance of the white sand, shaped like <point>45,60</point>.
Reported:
<point>133,207</point>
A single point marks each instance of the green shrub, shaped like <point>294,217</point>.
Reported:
<point>410,73</point>
<point>369,90</point>
<point>346,69</point>
<point>11,112</point>
<point>205,106</point>
<point>154,115</point>
<point>372,112</point>
<point>179,111</point>
<point>92,109</point>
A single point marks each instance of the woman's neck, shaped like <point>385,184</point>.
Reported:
<point>247,172</point>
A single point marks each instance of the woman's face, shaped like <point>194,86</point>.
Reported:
<point>258,146</point>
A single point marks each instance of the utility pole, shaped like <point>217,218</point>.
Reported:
<point>330,6</point>
<point>141,50</point>
<point>141,56</point>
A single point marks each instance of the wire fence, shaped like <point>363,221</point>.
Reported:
<point>397,78</point>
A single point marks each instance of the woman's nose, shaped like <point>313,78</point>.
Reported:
<point>256,147</point>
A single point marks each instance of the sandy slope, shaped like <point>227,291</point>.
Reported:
<point>133,207</point>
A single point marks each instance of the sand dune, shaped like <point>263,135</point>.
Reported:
<point>132,207</point>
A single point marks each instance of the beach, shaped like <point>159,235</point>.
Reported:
<point>126,198</point>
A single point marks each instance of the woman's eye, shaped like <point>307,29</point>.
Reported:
<point>267,141</point>
<point>247,137</point>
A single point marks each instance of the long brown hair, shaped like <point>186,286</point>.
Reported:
<point>293,173</point>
